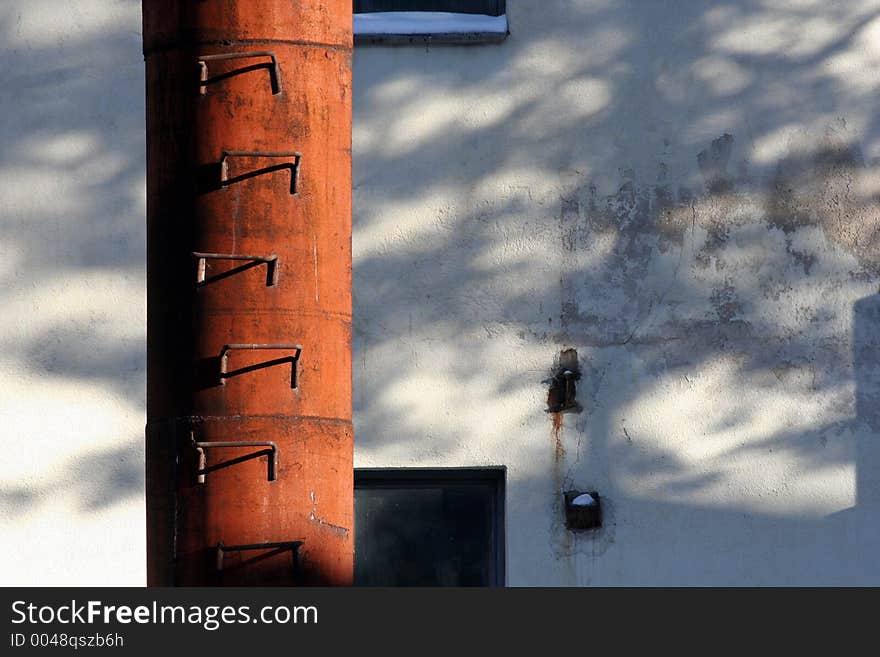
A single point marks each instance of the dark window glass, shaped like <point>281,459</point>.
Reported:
<point>488,7</point>
<point>429,527</point>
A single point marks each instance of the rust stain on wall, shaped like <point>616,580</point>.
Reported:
<point>558,449</point>
<point>562,395</point>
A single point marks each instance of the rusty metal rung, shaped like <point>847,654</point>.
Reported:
<point>224,355</point>
<point>200,447</point>
<point>293,546</point>
<point>294,173</point>
<point>270,260</point>
<point>274,72</point>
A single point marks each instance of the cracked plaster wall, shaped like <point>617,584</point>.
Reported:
<point>686,193</point>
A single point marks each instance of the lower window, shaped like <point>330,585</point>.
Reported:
<point>429,527</point>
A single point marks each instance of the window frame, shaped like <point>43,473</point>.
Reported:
<point>495,476</point>
<point>454,37</point>
<point>500,6</point>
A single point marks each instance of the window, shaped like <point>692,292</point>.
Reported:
<point>436,21</point>
<point>429,527</point>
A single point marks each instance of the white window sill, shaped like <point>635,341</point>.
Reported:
<point>401,27</point>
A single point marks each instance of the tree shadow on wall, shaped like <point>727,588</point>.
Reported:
<point>697,219</point>
<point>95,482</point>
<point>72,248</point>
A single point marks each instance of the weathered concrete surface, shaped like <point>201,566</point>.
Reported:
<point>686,193</point>
<point>72,293</point>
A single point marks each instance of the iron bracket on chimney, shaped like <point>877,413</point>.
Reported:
<point>281,546</point>
<point>201,446</point>
<point>274,70</point>
<point>224,357</point>
<point>270,260</point>
<point>294,166</point>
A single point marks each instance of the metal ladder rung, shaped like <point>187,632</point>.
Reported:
<point>224,357</point>
<point>274,71</point>
<point>281,546</point>
<point>270,260</point>
<point>201,446</point>
<point>294,166</point>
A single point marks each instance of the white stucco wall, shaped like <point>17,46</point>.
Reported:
<point>72,293</point>
<point>684,192</point>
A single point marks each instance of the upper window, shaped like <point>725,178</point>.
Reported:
<point>437,21</point>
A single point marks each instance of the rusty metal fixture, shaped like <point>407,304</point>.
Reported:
<point>562,394</point>
<point>293,360</point>
<point>583,510</point>
<point>237,166</point>
<point>274,70</point>
<point>270,260</point>
<point>275,548</point>
<point>203,469</point>
<point>225,180</point>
